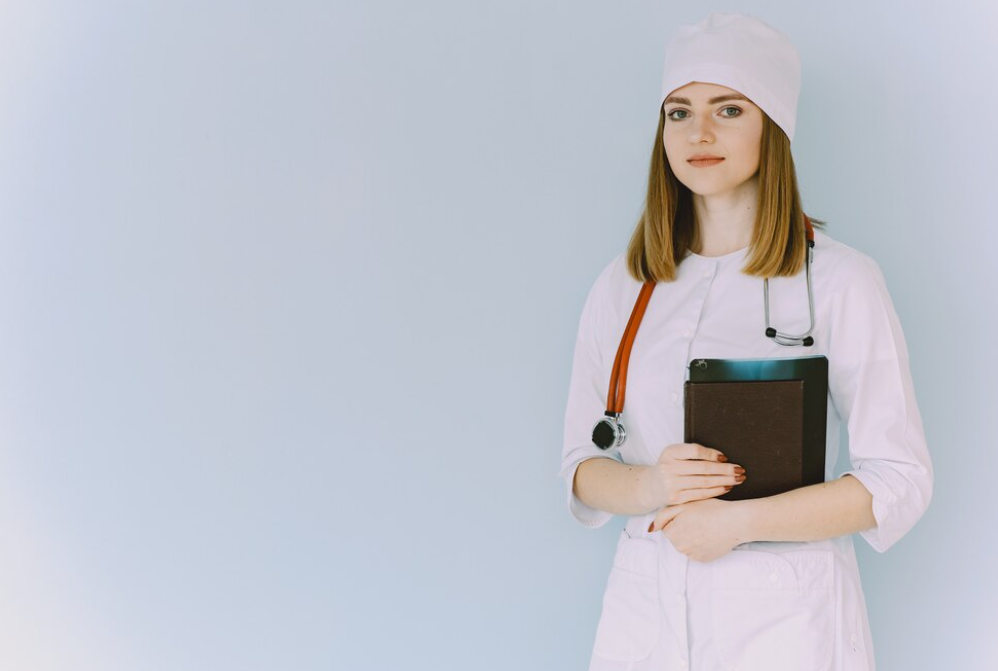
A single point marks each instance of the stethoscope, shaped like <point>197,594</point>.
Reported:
<point>608,431</point>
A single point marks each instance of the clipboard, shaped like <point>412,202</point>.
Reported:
<point>767,415</point>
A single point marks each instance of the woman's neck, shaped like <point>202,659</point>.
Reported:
<point>726,221</point>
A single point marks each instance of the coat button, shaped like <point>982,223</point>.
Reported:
<point>686,332</point>
<point>773,577</point>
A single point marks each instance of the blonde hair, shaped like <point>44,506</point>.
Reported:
<point>667,230</point>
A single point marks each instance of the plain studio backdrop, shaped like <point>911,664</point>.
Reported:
<point>288,297</point>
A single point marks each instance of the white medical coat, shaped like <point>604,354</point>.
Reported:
<point>765,605</point>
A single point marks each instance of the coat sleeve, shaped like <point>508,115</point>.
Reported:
<point>587,392</point>
<point>872,390</point>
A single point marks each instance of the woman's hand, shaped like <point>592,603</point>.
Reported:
<point>702,530</point>
<point>688,472</point>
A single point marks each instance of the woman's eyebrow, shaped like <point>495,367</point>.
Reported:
<point>718,99</point>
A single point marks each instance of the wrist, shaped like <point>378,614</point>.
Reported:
<point>745,513</point>
<point>650,497</point>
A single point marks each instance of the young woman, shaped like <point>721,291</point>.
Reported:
<point>697,582</point>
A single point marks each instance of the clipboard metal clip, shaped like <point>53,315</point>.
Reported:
<point>700,363</point>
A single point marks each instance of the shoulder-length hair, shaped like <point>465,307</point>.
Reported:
<point>667,230</point>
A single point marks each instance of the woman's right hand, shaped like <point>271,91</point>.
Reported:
<point>689,472</point>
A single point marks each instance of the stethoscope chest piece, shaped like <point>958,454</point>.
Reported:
<point>608,432</point>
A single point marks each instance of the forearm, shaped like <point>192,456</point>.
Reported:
<point>606,484</point>
<point>836,508</point>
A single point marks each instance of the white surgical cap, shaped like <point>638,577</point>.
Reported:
<point>742,53</point>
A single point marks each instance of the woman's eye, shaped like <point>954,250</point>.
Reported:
<point>726,116</point>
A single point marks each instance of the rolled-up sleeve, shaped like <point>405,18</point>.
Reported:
<point>872,390</point>
<point>587,391</point>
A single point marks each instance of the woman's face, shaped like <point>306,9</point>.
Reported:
<point>701,118</point>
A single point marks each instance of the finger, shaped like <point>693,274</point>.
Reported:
<point>701,467</point>
<point>688,482</point>
<point>698,451</point>
<point>706,493</point>
<point>664,516</point>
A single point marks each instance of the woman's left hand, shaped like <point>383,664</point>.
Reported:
<point>704,529</point>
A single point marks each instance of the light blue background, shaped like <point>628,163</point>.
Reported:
<point>288,295</point>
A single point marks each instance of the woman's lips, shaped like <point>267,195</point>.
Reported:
<point>705,162</point>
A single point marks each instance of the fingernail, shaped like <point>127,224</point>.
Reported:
<point>650,527</point>
<point>739,470</point>
<point>722,458</point>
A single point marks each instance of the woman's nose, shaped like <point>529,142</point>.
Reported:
<point>702,128</point>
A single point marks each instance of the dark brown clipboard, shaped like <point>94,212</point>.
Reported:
<point>767,415</point>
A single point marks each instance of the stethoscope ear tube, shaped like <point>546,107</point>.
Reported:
<point>805,338</point>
